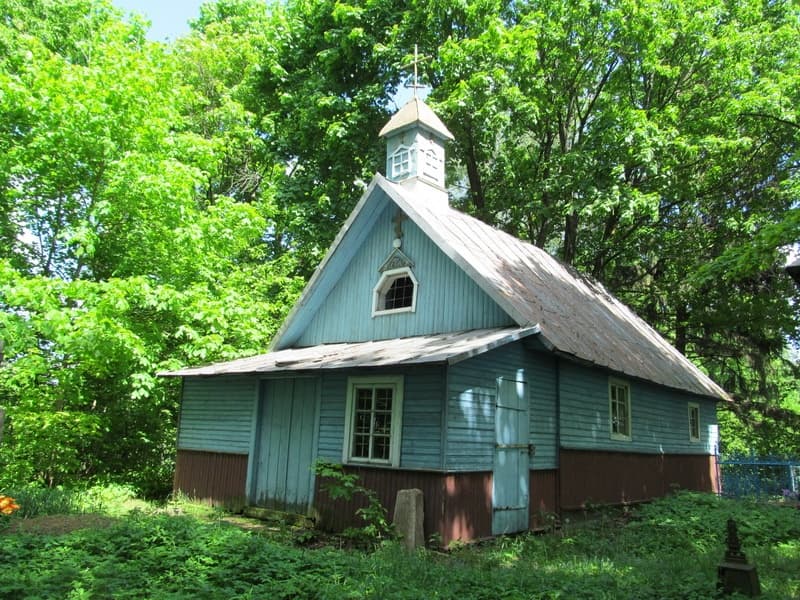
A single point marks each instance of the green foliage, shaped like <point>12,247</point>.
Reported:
<point>38,501</point>
<point>340,485</point>
<point>669,551</point>
<point>127,248</point>
<point>160,204</point>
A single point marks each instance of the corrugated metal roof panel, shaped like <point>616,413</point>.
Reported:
<point>576,315</point>
<point>442,348</point>
<point>414,112</point>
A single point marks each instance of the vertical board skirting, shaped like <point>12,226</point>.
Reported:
<point>456,506</point>
<point>213,477</point>
<point>544,498</point>
<point>621,477</point>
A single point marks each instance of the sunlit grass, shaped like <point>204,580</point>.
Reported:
<point>669,550</point>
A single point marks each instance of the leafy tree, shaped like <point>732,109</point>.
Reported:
<point>124,257</point>
<point>653,146</point>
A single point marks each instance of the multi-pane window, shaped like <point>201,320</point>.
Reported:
<point>401,161</point>
<point>694,422</point>
<point>373,413</point>
<point>395,292</point>
<point>619,402</point>
<point>400,294</point>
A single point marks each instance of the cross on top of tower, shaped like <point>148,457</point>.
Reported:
<point>415,85</point>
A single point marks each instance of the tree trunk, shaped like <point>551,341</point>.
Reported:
<point>570,237</point>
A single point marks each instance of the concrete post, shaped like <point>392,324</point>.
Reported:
<point>408,518</point>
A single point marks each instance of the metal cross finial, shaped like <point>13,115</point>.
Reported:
<point>415,84</point>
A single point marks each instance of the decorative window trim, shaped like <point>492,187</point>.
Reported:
<point>382,287</point>
<point>431,164</point>
<point>623,434</point>
<point>395,383</point>
<point>694,421</point>
<point>400,161</point>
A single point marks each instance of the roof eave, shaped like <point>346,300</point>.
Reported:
<point>310,287</point>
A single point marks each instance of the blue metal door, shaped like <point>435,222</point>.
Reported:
<point>286,444</point>
<point>511,458</point>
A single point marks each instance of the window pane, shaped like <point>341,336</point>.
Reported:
<point>363,421</point>
<point>400,294</point>
<point>363,399</point>
<point>619,408</point>
<point>694,422</point>
<point>361,446</point>
<point>383,423</point>
<point>623,413</point>
<point>383,399</point>
<point>380,447</point>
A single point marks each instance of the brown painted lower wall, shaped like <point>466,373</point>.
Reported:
<point>618,477</point>
<point>468,507</point>
<point>455,505</point>
<point>213,477</point>
<point>459,505</point>
<point>543,497</point>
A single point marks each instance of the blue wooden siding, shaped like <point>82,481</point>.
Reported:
<point>447,299</point>
<point>285,443</point>
<point>542,389</point>
<point>659,417</point>
<point>421,438</point>
<point>472,389</point>
<point>217,414</point>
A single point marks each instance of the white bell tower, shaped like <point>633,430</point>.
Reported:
<point>415,139</point>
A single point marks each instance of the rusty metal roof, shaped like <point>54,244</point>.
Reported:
<point>416,112</point>
<point>445,348</point>
<point>576,315</point>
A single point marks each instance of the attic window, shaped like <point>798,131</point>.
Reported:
<point>395,292</point>
<point>400,162</point>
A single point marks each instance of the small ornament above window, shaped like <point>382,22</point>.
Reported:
<point>396,260</point>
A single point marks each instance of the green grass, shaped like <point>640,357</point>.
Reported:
<point>669,550</point>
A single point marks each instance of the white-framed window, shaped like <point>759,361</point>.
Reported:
<point>395,292</point>
<point>694,422</point>
<point>373,420</point>
<point>619,409</point>
<point>400,161</point>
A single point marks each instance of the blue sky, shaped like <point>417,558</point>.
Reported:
<point>169,18</point>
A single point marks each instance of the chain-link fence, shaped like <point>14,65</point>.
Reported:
<point>759,476</point>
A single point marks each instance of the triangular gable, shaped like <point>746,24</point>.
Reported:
<point>347,242</point>
<point>577,317</point>
<point>338,307</point>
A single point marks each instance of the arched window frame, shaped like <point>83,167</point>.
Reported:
<point>400,161</point>
<point>384,284</point>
